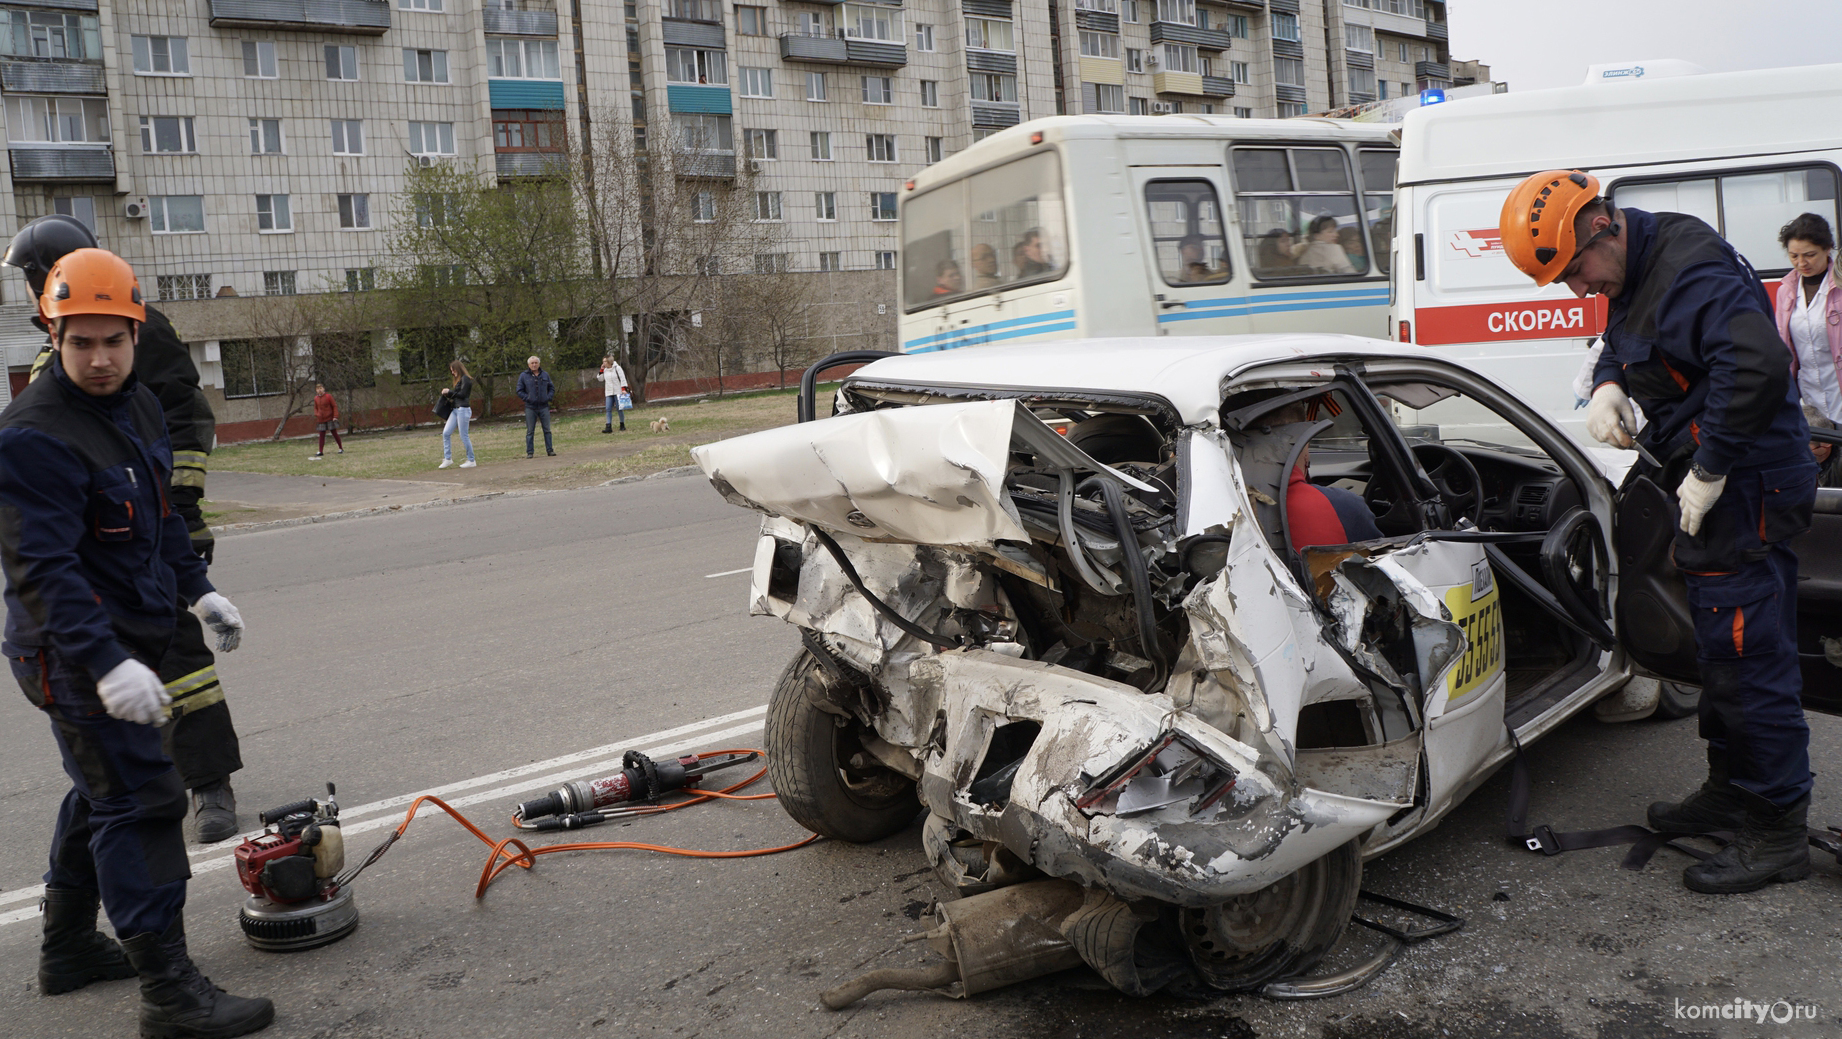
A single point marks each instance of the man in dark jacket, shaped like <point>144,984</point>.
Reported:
<point>96,560</point>
<point>1690,336</point>
<point>537,391</point>
<point>203,740</point>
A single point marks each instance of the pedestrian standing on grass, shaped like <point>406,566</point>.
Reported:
<point>326,414</point>
<point>537,391</point>
<point>460,397</point>
<point>614,384</point>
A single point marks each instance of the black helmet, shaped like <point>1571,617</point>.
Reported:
<point>42,243</point>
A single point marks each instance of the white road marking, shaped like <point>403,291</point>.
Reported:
<point>729,573</point>
<point>685,737</point>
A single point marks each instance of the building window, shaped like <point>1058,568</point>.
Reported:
<point>708,266</point>
<point>703,209</point>
<point>183,286</point>
<point>1135,60</point>
<point>423,5</point>
<point>751,21</point>
<point>341,62</point>
<point>1180,57</point>
<point>771,263</point>
<point>1359,38</point>
<point>1182,12</point>
<point>424,66</point>
<point>994,86</point>
<point>42,34</point>
<point>431,138</point>
<point>80,207</point>
<point>767,205</point>
<point>355,212</point>
<point>757,82</point>
<point>1404,58</point>
<point>1285,26</point>
<point>885,260</point>
<point>934,149</point>
<point>1109,98</point>
<point>278,283</point>
<point>60,119</point>
<point>1138,106</point>
<point>1239,72</point>
<point>176,214</point>
<point>690,65</point>
<point>924,38</point>
<point>360,279</point>
<point>881,146</point>
<point>1128,11</point>
<point>763,144</point>
<point>264,136</point>
<point>167,134</point>
<point>825,203</point>
<point>812,23</point>
<point>882,205</point>
<point>1236,25</point>
<point>1291,109</point>
<point>930,93</point>
<point>1289,72</point>
<point>348,136</point>
<point>694,10</point>
<point>878,90</point>
<point>160,56</point>
<point>815,86</point>
<point>1381,90</point>
<point>830,262</point>
<point>1103,6</point>
<point>1099,45</point>
<point>699,132</point>
<point>1244,113</point>
<point>518,59</point>
<point>873,22</point>
<point>1362,81</point>
<point>515,130</point>
<point>821,145</point>
<point>251,367</point>
<point>988,34</point>
<point>272,214</point>
<point>434,207</point>
<point>259,59</point>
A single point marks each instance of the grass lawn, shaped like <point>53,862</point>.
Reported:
<point>585,455</point>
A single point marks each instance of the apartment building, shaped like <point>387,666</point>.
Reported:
<point>236,149</point>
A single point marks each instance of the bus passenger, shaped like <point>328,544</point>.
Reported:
<point>985,267</point>
<point>947,279</point>
<point>1321,252</point>
<point>1275,251</point>
<point>1029,256</point>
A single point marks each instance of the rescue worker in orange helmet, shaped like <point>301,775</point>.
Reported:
<point>1690,336</point>
<point>95,559</point>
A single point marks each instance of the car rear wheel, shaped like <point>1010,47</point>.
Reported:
<point>1280,931</point>
<point>826,781</point>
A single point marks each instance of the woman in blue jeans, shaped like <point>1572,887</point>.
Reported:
<point>460,394</point>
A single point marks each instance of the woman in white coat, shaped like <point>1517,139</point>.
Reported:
<point>613,383</point>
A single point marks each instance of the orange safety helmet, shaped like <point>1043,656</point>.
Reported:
<point>1537,222</point>
<point>91,281</point>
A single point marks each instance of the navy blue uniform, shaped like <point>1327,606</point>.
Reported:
<point>96,559</point>
<point>1692,340</point>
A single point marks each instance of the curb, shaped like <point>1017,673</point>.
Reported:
<point>376,510</point>
<point>663,474</point>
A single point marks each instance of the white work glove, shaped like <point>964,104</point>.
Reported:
<point>222,618</point>
<point>1696,496</point>
<point>133,693</point>
<point>1609,418</point>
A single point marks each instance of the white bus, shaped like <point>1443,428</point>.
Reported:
<point>1083,226</point>
<point>1745,151</point>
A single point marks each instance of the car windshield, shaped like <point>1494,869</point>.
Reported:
<point>1429,412</point>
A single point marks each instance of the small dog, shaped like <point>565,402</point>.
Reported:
<point>661,425</point>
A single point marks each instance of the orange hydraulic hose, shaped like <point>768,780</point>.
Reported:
<point>525,857</point>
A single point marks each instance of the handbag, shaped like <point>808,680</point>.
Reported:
<point>624,401</point>
<point>444,406</point>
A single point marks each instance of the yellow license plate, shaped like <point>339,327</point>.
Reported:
<point>1481,619</point>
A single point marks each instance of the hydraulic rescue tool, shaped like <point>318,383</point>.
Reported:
<point>586,802</point>
<point>292,871</point>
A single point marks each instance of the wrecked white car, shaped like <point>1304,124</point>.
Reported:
<point>1050,593</point>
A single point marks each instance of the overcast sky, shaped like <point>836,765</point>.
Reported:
<point>1532,45</point>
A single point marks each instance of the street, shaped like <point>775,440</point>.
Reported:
<point>489,650</point>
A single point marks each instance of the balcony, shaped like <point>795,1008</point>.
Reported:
<point>707,165</point>
<point>1432,70</point>
<point>1288,92</point>
<point>834,49</point>
<point>1097,21</point>
<point>679,33</point>
<point>356,17</point>
<point>1217,86</point>
<point>991,61</point>
<point>1361,97</point>
<point>501,22</point>
<point>986,8</point>
<point>1188,83</point>
<point>52,77</point>
<point>688,97</point>
<point>531,164</point>
<point>992,115</point>
<point>1244,5</point>
<point>67,163</point>
<point>1435,31</point>
<point>1284,6</point>
<point>1288,48</point>
<point>1358,59</point>
<point>1177,32</point>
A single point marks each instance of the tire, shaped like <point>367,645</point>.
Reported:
<point>809,755</point>
<point>1278,932</point>
<point>1677,700</point>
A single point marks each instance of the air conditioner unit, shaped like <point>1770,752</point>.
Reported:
<point>1162,108</point>
<point>1152,61</point>
<point>135,208</point>
<point>756,166</point>
<point>425,161</point>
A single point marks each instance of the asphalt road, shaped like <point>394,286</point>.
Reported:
<point>439,649</point>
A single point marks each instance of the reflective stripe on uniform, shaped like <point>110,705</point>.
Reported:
<point>197,690</point>
<point>189,469</point>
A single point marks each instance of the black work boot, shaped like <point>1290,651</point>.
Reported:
<point>609,428</point>
<point>216,812</point>
<point>177,1002</point>
<point>73,953</point>
<point>1718,805</point>
<point>1771,848</point>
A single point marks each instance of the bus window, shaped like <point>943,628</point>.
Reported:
<point>998,228</point>
<point>1378,200</point>
<point>1299,214</point>
<point>1746,208</point>
<point>1186,231</point>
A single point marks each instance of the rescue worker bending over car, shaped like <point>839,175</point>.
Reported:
<point>96,559</point>
<point>1690,337</point>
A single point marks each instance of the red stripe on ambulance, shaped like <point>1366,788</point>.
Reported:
<point>1500,322</point>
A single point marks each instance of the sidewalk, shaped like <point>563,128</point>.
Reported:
<point>239,498</point>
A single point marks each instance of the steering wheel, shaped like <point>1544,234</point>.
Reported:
<point>1455,477</point>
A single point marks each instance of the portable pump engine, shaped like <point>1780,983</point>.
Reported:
<point>293,871</point>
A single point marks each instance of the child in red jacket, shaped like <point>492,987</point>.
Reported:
<point>326,413</point>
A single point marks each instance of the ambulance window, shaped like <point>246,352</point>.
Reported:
<point>1300,215</point>
<point>1378,200</point>
<point>1746,208</point>
<point>1185,217</point>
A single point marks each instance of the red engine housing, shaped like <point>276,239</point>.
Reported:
<point>255,853</point>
